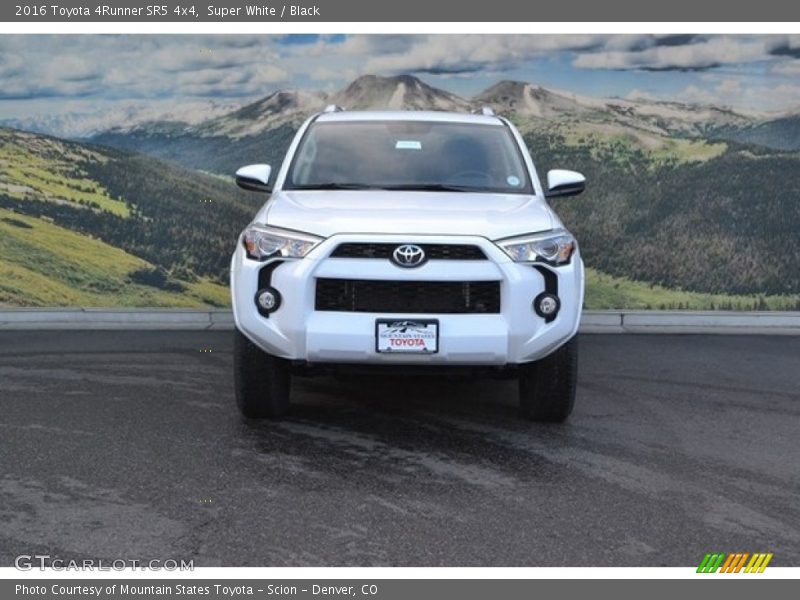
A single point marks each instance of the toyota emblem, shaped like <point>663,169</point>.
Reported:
<point>408,255</point>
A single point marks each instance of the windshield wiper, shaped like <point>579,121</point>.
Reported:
<point>406,187</point>
<point>335,185</point>
<point>429,187</point>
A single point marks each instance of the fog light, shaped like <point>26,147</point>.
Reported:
<point>546,306</point>
<point>268,300</point>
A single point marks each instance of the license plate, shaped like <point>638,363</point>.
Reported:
<point>418,336</point>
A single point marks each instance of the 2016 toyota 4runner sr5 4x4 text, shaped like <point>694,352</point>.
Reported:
<point>407,239</point>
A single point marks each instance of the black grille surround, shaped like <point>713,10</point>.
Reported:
<point>409,297</point>
<point>384,250</point>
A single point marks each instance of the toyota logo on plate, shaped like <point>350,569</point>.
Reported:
<point>408,255</point>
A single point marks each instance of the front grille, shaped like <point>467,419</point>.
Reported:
<point>432,251</point>
<point>413,297</point>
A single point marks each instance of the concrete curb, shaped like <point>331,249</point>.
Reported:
<point>688,322</point>
<point>600,321</point>
<point>115,319</point>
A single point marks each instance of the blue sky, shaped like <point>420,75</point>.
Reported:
<point>52,75</point>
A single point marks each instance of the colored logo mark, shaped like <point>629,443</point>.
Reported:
<point>734,562</point>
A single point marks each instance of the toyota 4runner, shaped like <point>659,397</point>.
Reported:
<point>404,240</point>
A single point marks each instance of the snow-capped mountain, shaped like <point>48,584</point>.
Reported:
<point>526,100</point>
<point>283,106</point>
<point>403,92</point>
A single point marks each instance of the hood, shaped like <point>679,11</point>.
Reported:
<point>326,213</point>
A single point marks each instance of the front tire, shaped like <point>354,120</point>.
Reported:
<point>547,386</point>
<point>262,382</point>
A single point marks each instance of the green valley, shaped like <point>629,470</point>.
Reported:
<point>33,166</point>
<point>605,291</point>
<point>42,264</point>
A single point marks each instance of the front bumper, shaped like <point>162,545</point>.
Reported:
<point>299,332</point>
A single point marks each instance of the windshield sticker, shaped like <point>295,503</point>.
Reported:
<point>408,145</point>
<point>513,181</point>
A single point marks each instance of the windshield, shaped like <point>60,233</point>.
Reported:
<point>409,155</point>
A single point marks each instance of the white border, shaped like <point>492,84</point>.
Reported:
<point>248,27</point>
<point>377,573</point>
<point>267,28</point>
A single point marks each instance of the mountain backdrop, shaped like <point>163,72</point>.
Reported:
<point>687,206</point>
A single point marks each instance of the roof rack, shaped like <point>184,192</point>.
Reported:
<point>485,111</point>
<point>332,108</point>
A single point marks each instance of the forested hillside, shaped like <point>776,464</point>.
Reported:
<point>164,234</point>
<point>727,224</point>
<point>781,134</point>
<point>212,153</point>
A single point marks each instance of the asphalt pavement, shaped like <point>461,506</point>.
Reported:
<point>128,445</point>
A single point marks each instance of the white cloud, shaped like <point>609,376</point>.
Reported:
<point>241,68</point>
<point>693,94</point>
<point>461,53</point>
<point>332,74</point>
<point>143,67</point>
<point>10,64</point>
<point>743,94</point>
<point>704,54</point>
<point>785,45</point>
<point>70,68</point>
<point>787,69</point>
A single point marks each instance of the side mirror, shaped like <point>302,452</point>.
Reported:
<point>254,178</point>
<point>561,182</point>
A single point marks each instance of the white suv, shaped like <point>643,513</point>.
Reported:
<point>406,240</point>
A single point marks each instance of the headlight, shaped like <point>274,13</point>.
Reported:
<point>262,242</point>
<point>553,247</point>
